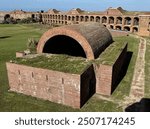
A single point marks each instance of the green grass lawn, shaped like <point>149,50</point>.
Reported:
<point>14,37</point>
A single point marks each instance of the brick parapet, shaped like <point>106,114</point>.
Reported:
<point>107,75</point>
<point>55,86</point>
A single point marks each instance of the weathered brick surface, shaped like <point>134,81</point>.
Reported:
<point>141,26</point>
<point>20,54</point>
<point>50,85</point>
<point>118,33</point>
<point>107,75</point>
<point>104,79</point>
<point>144,28</point>
<point>92,37</point>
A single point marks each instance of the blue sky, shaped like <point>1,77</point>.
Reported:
<point>91,5</point>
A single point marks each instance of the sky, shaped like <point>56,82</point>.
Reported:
<point>89,5</point>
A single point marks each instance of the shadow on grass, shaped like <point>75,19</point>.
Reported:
<point>142,106</point>
<point>123,70</point>
<point>5,37</point>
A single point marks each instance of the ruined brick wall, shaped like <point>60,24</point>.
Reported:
<point>107,75</point>
<point>112,11</point>
<point>50,85</point>
<point>118,33</point>
<point>2,15</point>
<point>19,14</point>
<point>144,26</point>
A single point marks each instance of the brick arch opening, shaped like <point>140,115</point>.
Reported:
<point>104,19</point>
<point>69,46</point>
<point>136,21</point>
<point>119,20</point>
<point>111,20</point>
<point>118,27</point>
<point>135,30</point>
<point>126,28</point>
<point>86,40</point>
<point>6,16</point>
<point>127,21</point>
<point>97,19</point>
<point>73,37</point>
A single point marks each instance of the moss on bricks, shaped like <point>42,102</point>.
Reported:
<point>62,63</point>
<point>110,55</point>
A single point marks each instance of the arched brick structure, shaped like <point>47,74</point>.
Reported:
<point>92,37</point>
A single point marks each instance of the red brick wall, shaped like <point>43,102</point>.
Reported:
<point>103,79</point>
<point>50,85</point>
<point>118,33</point>
<point>113,12</point>
<point>20,54</point>
<point>65,88</point>
<point>107,75</point>
<point>144,26</point>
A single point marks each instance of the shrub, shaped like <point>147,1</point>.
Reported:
<point>31,45</point>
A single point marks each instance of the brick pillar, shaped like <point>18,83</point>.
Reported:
<point>100,20</point>
<point>115,22</point>
<point>132,23</point>
<point>107,22</point>
<point>123,20</point>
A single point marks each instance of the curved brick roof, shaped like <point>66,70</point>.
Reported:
<point>92,37</point>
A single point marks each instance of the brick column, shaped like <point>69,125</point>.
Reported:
<point>123,20</point>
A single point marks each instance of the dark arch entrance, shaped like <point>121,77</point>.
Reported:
<point>61,44</point>
<point>6,16</point>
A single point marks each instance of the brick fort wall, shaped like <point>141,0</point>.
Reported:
<point>50,85</point>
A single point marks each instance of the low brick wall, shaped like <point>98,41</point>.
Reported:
<point>107,75</point>
<point>117,67</point>
<point>20,54</point>
<point>59,87</point>
<point>116,33</point>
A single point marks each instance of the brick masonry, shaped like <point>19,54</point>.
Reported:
<point>65,88</point>
<point>107,75</point>
<point>20,54</point>
<point>144,29</point>
<point>112,18</point>
<point>58,87</point>
<point>103,79</point>
<point>118,33</point>
<point>92,37</point>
